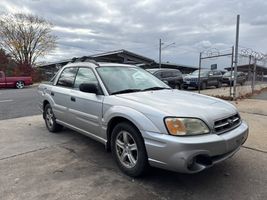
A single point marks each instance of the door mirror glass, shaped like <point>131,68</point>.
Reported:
<point>89,88</point>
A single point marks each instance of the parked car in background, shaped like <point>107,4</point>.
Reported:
<point>140,118</point>
<point>207,78</point>
<point>173,77</point>
<point>14,82</point>
<point>240,79</point>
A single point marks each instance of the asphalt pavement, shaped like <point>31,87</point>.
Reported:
<point>35,164</point>
<point>18,103</point>
<point>262,96</point>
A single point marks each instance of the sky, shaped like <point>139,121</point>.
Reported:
<point>86,27</point>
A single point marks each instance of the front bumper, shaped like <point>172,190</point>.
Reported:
<point>193,153</point>
<point>190,83</point>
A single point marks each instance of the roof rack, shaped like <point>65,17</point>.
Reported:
<point>84,59</point>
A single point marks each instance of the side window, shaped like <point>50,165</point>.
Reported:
<point>166,74</point>
<point>67,77</point>
<point>217,73</point>
<point>85,75</point>
<point>176,73</point>
<point>1,75</point>
<point>158,74</point>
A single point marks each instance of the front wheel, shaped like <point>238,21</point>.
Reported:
<point>128,149</point>
<point>20,84</point>
<point>50,120</point>
<point>203,85</point>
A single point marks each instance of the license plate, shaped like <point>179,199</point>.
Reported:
<point>187,82</point>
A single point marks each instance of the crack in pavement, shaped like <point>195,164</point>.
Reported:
<point>254,149</point>
<point>253,113</point>
<point>32,151</point>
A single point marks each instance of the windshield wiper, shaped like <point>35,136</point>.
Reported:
<point>126,91</point>
<point>156,88</point>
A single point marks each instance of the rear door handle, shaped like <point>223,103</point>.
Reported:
<point>72,99</point>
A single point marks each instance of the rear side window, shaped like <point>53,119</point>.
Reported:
<point>158,74</point>
<point>85,75</point>
<point>67,77</point>
<point>166,74</point>
<point>176,73</point>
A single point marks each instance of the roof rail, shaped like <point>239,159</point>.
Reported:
<point>84,59</point>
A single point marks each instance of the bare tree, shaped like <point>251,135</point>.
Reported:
<point>26,37</point>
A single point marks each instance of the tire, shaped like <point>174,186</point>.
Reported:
<point>50,120</point>
<point>128,149</point>
<point>203,85</point>
<point>177,86</point>
<point>185,87</point>
<point>219,84</point>
<point>20,84</point>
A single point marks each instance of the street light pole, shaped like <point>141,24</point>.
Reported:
<point>160,53</point>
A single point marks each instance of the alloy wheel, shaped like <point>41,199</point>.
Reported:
<point>126,149</point>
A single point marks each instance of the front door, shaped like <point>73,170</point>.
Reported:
<point>86,108</point>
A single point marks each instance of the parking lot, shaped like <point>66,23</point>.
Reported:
<point>35,164</point>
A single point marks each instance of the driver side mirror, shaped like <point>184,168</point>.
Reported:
<point>89,88</point>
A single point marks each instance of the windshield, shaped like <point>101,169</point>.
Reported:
<point>202,73</point>
<point>130,79</point>
<point>228,73</point>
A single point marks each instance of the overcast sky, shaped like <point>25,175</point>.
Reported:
<point>86,27</point>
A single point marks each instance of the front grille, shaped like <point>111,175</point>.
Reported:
<point>226,124</point>
<point>191,79</point>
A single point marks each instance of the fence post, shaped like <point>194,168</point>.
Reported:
<point>254,75</point>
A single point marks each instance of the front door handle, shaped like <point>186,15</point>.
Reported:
<point>72,99</point>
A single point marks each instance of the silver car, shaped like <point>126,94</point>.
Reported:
<point>140,119</point>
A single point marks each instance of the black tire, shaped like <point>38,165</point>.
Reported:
<point>219,85</point>
<point>185,87</point>
<point>20,84</point>
<point>177,86</point>
<point>203,85</point>
<point>139,155</point>
<point>50,120</point>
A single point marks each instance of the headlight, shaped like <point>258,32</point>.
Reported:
<point>185,126</point>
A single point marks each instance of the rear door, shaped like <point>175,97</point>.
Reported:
<point>86,108</point>
<point>60,93</point>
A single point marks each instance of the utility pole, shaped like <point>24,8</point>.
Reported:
<point>199,68</point>
<point>160,43</point>
<point>236,53</point>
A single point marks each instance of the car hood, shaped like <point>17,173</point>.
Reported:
<point>180,103</point>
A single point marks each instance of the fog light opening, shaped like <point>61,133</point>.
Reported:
<point>203,160</point>
<point>191,164</point>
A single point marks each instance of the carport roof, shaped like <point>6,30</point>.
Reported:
<point>247,68</point>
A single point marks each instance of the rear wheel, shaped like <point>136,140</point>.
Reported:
<point>128,149</point>
<point>219,84</point>
<point>20,84</point>
<point>50,120</point>
<point>203,85</point>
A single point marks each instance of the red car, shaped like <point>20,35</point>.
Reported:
<point>16,82</point>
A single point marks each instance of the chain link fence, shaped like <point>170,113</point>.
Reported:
<point>251,75</point>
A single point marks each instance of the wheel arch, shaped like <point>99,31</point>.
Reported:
<point>118,114</point>
<point>111,125</point>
